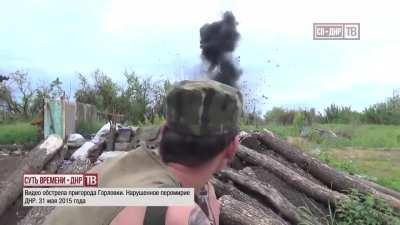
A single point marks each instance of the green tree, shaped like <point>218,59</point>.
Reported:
<point>103,93</point>
<point>17,92</point>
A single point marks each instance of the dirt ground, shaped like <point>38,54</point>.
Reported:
<point>7,165</point>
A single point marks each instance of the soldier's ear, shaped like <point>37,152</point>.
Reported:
<point>232,147</point>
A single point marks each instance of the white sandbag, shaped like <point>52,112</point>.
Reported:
<point>83,152</point>
<point>103,132</point>
<point>75,140</point>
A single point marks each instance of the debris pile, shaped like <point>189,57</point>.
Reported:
<point>268,182</point>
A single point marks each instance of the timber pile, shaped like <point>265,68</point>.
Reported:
<point>269,182</point>
<point>273,180</point>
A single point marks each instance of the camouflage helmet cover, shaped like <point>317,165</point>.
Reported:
<point>203,108</point>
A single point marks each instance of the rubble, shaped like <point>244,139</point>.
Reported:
<point>75,140</point>
<point>33,163</point>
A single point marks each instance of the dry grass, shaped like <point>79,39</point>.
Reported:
<point>382,164</point>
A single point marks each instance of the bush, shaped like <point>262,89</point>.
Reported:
<point>362,209</point>
<point>383,113</point>
<point>359,209</point>
<point>88,127</point>
<point>18,132</point>
<point>283,116</point>
<point>340,114</point>
<point>299,121</point>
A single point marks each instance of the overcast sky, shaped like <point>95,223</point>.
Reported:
<point>279,58</point>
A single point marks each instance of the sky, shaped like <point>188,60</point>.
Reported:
<point>279,58</point>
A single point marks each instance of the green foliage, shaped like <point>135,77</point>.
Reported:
<point>390,181</point>
<point>102,93</point>
<point>364,210</point>
<point>158,120</point>
<point>279,115</point>
<point>18,132</point>
<point>340,114</point>
<point>383,113</point>
<point>359,209</point>
<point>139,99</point>
<point>17,93</point>
<point>52,91</point>
<point>364,136</point>
<point>387,112</point>
<point>344,165</point>
<point>87,127</point>
<point>299,121</point>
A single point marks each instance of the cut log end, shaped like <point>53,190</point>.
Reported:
<point>234,212</point>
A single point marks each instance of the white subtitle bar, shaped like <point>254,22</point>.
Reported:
<point>92,196</point>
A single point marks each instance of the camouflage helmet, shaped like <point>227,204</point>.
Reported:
<point>203,108</point>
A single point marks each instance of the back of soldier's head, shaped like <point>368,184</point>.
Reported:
<point>202,119</point>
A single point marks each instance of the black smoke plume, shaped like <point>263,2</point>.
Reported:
<point>217,41</point>
<point>2,78</point>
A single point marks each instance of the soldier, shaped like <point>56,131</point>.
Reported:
<point>198,139</point>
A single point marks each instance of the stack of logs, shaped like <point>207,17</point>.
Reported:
<point>268,182</point>
<point>272,182</point>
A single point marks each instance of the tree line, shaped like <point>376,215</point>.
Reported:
<point>138,99</point>
<point>143,100</point>
<point>386,112</point>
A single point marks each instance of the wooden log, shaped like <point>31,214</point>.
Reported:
<point>234,212</point>
<point>333,178</point>
<point>380,188</point>
<point>301,183</point>
<point>308,218</point>
<point>269,193</point>
<point>33,163</point>
<point>222,188</point>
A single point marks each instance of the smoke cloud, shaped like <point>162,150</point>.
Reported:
<point>218,40</point>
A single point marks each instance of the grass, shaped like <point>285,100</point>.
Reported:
<point>364,136</point>
<point>358,209</point>
<point>358,136</point>
<point>370,150</point>
<point>382,165</point>
<point>18,132</point>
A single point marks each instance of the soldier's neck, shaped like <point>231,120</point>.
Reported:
<point>195,177</point>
